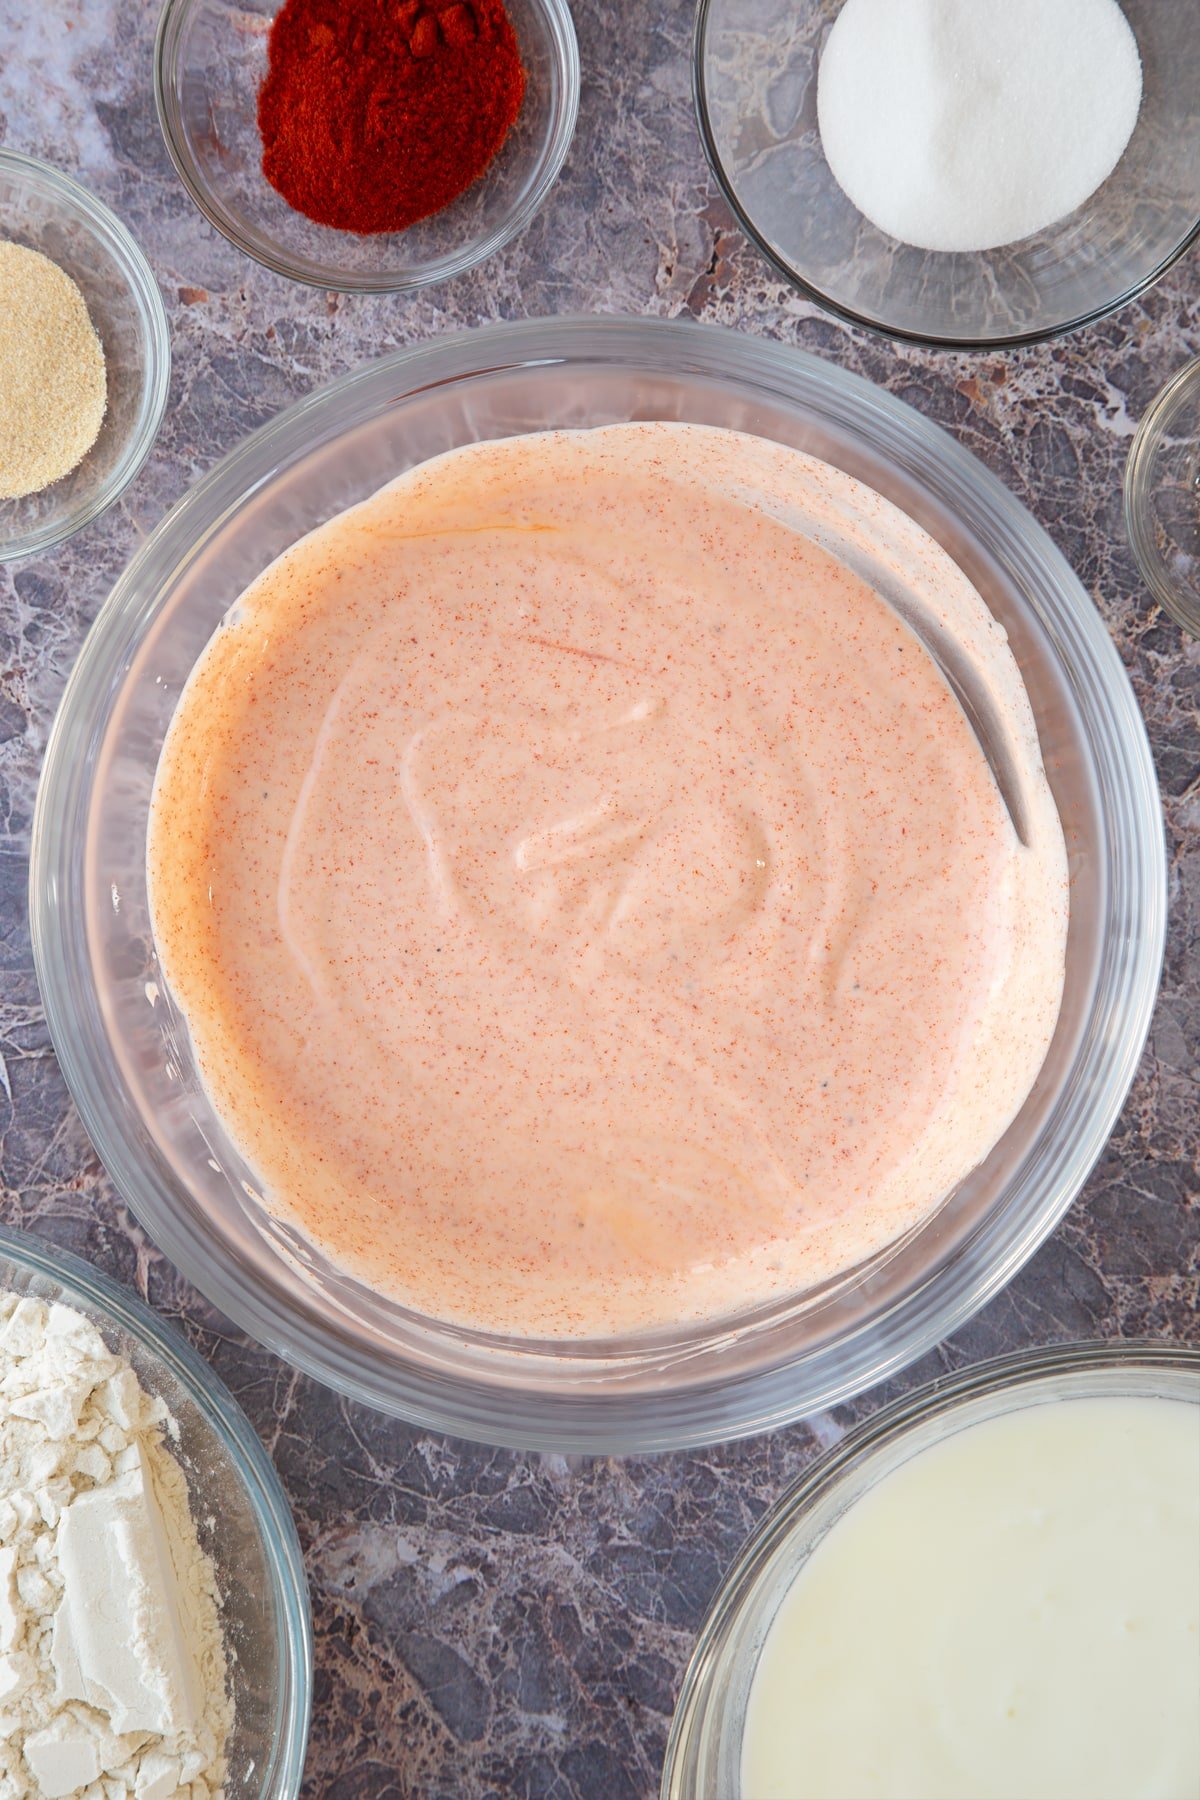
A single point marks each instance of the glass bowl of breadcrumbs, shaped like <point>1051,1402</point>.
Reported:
<point>85,357</point>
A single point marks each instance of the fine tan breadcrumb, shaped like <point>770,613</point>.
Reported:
<point>53,388</point>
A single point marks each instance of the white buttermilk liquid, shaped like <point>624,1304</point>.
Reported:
<point>1014,1614</point>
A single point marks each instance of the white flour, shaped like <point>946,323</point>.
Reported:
<point>965,124</point>
<point>112,1661</point>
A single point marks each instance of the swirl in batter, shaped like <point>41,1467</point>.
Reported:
<point>590,904</point>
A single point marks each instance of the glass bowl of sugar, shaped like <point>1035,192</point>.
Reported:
<point>973,179</point>
<point>241,1521</point>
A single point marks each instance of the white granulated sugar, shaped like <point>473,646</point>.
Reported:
<point>966,124</point>
<point>113,1677</point>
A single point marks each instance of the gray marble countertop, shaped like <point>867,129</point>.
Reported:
<point>493,1624</point>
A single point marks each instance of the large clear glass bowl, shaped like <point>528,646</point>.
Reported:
<point>210,59</point>
<point>755,78</point>
<point>239,1507</point>
<point>704,1751</point>
<point>125,1050</point>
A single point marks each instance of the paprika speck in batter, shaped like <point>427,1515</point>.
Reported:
<point>377,113</point>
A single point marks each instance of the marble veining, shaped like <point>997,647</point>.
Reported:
<point>491,1624</point>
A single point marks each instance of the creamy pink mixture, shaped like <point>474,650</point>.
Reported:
<point>590,905</point>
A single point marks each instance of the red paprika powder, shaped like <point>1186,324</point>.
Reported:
<point>376,113</point>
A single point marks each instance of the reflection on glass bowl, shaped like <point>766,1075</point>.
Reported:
<point>124,1048</point>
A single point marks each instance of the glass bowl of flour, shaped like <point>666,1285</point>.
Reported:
<point>970,176</point>
<point>159,1553</point>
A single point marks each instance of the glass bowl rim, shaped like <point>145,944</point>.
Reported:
<point>475,250</point>
<point>879,327</point>
<point>143,288</point>
<point>1011,1371</point>
<point>227,1420</point>
<point>557,1417</point>
<point>1183,386</point>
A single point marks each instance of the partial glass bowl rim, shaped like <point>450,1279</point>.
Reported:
<point>226,1419</point>
<point>934,340</point>
<point>563,1418</point>
<point>557,14</point>
<point>1012,1371</point>
<point>144,289</point>
<point>1183,386</point>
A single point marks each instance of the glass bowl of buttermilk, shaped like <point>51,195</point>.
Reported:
<point>990,1587</point>
<point>44,211</point>
<point>243,1534</point>
<point>210,66</point>
<point>736,1345</point>
<point>970,176</point>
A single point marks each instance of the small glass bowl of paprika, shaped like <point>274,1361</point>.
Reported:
<point>363,146</point>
